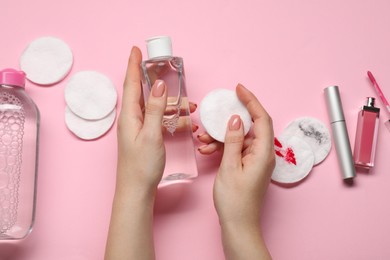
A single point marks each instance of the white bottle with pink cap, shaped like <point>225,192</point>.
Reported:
<point>19,130</point>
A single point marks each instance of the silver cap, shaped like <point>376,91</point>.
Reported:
<point>334,105</point>
<point>370,102</point>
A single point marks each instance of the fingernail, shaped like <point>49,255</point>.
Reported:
<point>132,52</point>
<point>158,88</point>
<point>235,122</point>
<point>242,86</point>
<point>201,147</point>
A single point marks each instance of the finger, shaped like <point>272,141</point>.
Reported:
<point>247,148</point>
<point>186,106</point>
<point>195,127</point>
<point>262,121</point>
<point>132,85</point>
<point>210,148</point>
<point>234,140</point>
<point>193,107</point>
<point>184,124</point>
<point>155,107</point>
<point>206,138</point>
<point>132,90</point>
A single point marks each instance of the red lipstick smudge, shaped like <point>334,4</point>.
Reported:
<point>287,154</point>
<point>277,143</point>
<point>278,153</point>
<point>290,156</point>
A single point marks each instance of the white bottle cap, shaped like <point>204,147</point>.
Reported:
<point>160,46</point>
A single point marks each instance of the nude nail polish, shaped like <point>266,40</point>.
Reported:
<point>235,122</point>
<point>158,88</point>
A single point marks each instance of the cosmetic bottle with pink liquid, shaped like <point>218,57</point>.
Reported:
<point>366,135</point>
<point>181,163</point>
<point>19,128</point>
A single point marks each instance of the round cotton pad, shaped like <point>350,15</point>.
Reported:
<point>294,160</point>
<point>217,107</point>
<point>88,129</point>
<point>46,60</point>
<point>312,131</point>
<point>90,95</point>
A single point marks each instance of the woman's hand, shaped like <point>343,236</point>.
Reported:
<point>141,152</point>
<point>141,161</point>
<point>242,179</point>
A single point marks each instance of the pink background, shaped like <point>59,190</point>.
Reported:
<point>286,52</point>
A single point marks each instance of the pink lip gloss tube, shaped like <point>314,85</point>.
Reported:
<point>366,135</point>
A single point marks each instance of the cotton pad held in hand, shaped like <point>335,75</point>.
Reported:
<point>88,129</point>
<point>312,131</point>
<point>216,109</point>
<point>46,60</point>
<point>294,160</point>
<point>90,95</point>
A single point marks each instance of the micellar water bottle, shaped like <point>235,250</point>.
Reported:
<point>19,128</point>
<point>177,127</point>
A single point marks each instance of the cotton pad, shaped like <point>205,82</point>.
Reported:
<point>46,60</point>
<point>90,95</point>
<point>312,131</point>
<point>88,129</point>
<point>216,109</point>
<point>294,160</point>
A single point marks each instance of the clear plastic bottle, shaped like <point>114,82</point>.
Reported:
<point>19,129</point>
<point>177,127</point>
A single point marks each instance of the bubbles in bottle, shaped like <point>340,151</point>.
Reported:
<point>12,119</point>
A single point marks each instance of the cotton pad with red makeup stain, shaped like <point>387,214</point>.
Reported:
<point>287,154</point>
<point>294,160</point>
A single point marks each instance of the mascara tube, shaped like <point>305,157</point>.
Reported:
<point>339,132</point>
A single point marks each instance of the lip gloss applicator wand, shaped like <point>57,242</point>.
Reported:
<point>381,96</point>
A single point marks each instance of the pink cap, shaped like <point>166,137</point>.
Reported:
<point>12,77</point>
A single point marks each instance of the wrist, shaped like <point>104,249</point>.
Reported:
<point>135,192</point>
<point>243,240</point>
<point>134,184</point>
<point>240,218</point>
<point>241,226</point>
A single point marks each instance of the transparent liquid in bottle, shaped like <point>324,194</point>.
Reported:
<point>19,119</point>
<point>177,127</point>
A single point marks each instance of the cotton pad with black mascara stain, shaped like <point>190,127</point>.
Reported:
<point>216,109</point>
<point>46,60</point>
<point>312,131</point>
